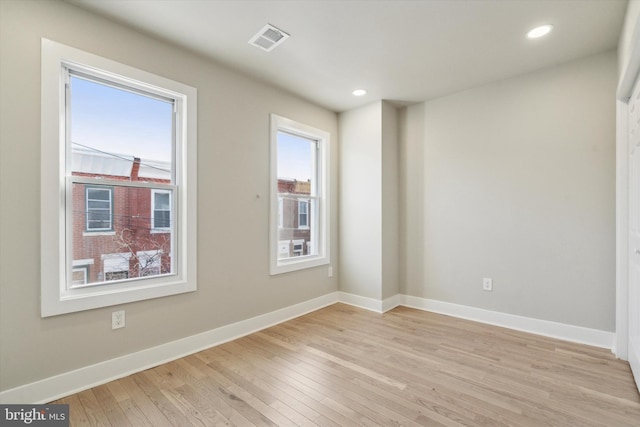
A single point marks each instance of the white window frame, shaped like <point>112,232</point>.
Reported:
<point>280,212</point>
<point>320,223</point>
<point>155,229</point>
<point>57,294</point>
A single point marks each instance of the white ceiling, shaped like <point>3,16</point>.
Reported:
<point>407,51</point>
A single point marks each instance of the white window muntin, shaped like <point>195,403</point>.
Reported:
<point>57,297</point>
<point>319,199</point>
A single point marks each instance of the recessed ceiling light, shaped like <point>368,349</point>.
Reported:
<point>540,31</point>
<point>359,92</point>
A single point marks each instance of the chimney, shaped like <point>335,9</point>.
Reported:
<point>135,169</point>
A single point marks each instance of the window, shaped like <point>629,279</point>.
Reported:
<point>303,214</point>
<point>98,208</point>
<point>79,275</point>
<point>80,271</point>
<point>125,143</point>
<point>116,266</point>
<point>149,263</point>
<point>299,233</point>
<point>161,210</point>
<point>298,247</point>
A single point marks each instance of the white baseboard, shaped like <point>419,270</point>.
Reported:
<point>367,303</point>
<point>634,361</point>
<point>392,302</point>
<point>578,334</point>
<point>53,388</point>
<point>371,304</point>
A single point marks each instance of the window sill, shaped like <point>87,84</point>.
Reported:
<point>159,230</point>
<point>298,263</point>
<point>98,233</point>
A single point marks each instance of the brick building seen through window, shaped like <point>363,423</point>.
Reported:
<point>120,232</point>
<point>294,234</point>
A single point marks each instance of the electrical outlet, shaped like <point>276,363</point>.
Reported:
<point>330,271</point>
<point>487,284</point>
<point>117,319</point>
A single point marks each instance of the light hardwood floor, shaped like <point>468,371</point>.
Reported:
<point>343,366</point>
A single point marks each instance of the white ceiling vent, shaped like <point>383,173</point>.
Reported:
<point>268,38</point>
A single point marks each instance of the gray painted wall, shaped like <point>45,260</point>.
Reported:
<point>361,201</point>
<point>233,167</point>
<point>516,181</point>
<point>369,211</point>
<point>390,200</point>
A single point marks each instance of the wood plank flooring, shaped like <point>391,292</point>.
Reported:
<point>343,366</point>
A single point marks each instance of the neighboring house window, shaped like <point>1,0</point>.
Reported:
<point>303,214</point>
<point>80,275</point>
<point>284,246</point>
<point>118,149</point>
<point>161,210</point>
<point>116,266</point>
<point>80,271</point>
<point>299,179</point>
<point>99,202</point>
<point>298,247</point>
<point>149,263</point>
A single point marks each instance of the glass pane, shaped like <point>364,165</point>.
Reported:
<point>296,179</point>
<point>162,201</point>
<point>296,158</point>
<point>92,204</point>
<point>162,219</point>
<point>118,133</point>
<point>120,244</point>
<point>95,194</point>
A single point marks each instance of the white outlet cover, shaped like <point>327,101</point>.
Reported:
<point>117,319</point>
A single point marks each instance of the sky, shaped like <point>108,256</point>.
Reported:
<point>294,157</point>
<point>129,124</point>
<point>120,122</point>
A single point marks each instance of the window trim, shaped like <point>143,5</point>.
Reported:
<point>320,229</point>
<point>56,295</point>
